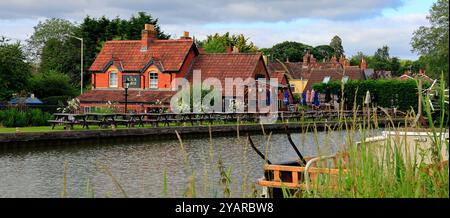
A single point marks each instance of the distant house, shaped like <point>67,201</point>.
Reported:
<point>152,64</point>
<point>31,100</point>
<point>303,75</point>
<point>408,75</point>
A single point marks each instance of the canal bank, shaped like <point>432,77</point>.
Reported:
<point>55,138</point>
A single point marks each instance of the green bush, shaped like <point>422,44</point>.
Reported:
<point>387,93</point>
<point>16,118</point>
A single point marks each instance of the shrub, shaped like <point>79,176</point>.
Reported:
<point>16,118</point>
<point>385,93</point>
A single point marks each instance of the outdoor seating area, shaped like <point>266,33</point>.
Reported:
<point>113,120</point>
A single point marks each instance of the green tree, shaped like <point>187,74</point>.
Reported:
<point>14,70</point>
<point>54,28</point>
<point>294,51</point>
<point>323,52</point>
<point>432,42</point>
<point>336,44</point>
<point>357,58</point>
<point>96,31</point>
<point>62,56</point>
<point>218,43</point>
<point>214,46</point>
<point>52,86</point>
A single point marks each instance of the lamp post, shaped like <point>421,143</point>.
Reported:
<point>81,56</point>
<point>127,84</point>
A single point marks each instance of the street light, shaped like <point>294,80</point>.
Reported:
<point>127,84</point>
<point>81,39</point>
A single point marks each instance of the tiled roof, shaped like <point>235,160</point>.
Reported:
<point>317,75</point>
<point>168,54</point>
<point>221,66</point>
<point>119,96</point>
<point>295,69</point>
<point>280,76</point>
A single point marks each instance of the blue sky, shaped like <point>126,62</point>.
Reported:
<point>364,25</point>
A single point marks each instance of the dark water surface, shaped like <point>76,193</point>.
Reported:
<point>139,167</point>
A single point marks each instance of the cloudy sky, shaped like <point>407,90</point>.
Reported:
<point>364,25</point>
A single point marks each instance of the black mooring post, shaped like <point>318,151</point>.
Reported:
<point>294,146</point>
<point>257,151</point>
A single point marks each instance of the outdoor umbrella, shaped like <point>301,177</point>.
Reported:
<point>367,100</point>
<point>286,97</point>
<point>304,98</point>
<point>316,99</point>
<point>312,96</point>
<point>267,96</point>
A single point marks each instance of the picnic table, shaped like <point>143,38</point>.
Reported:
<point>103,120</point>
<point>69,120</point>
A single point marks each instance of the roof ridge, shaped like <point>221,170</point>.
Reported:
<point>256,53</point>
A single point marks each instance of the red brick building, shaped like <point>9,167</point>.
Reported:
<point>152,64</point>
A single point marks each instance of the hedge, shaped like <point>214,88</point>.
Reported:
<point>385,93</point>
<point>30,117</point>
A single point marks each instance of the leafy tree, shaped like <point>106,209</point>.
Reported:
<point>214,46</point>
<point>336,44</point>
<point>292,50</point>
<point>14,70</point>
<point>52,85</point>
<point>323,52</point>
<point>381,59</point>
<point>62,56</point>
<point>218,43</point>
<point>432,42</point>
<point>44,31</point>
<point>356,59</point>
<point>95,31</point>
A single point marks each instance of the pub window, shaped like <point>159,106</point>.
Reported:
<point>113,79</point>
<point>153,80</point>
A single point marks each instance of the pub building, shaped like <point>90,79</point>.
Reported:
<point>150,65</point>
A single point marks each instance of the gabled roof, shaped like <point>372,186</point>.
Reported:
<point>168,54</point>
<point>280,76</point>
<point>25,100</point>
<point>294,70</point>
<point>317,75</point>
<point>221,66</point>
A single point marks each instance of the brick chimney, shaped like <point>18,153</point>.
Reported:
<point>235,49</point>
<point>306,59</point>
<point>342,60</point>
<point>185,35</point>
<point>334,60</point>
<point>148,35</point>
<point>312,60</point>
<point>228,50</point>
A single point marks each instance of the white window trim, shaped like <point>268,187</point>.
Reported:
<point>150,80</point>
<point>117,79</point>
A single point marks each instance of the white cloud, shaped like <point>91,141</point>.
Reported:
<point>360,35</point>
<point>360,23</point>
<point>199,11</point>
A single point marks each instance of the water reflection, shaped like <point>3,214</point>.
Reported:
<point>139,167</point>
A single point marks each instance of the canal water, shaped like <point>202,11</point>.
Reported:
<point>140,167</point>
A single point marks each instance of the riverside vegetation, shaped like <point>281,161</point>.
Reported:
<point>394,176</point>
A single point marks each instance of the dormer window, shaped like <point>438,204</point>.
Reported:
<point>153,80</point>
<point>113,79</point>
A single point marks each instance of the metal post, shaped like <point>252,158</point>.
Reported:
<point>126,98</point>
<point>81,65</point>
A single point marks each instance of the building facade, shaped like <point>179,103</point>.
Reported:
<point>151,64</point>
